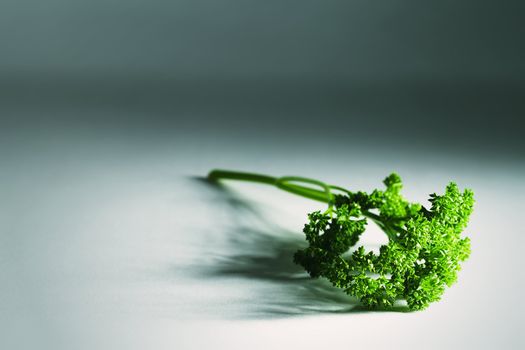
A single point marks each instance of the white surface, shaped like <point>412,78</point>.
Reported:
<point>107,242</point>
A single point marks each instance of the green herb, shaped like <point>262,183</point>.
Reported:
<point>422,256</point>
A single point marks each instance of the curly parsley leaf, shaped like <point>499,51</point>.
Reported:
<point>424,250</point>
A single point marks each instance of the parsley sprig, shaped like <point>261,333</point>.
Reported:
<point>424,247</point>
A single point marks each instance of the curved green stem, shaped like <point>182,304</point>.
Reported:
<point>217,174</point>
<point>285,183</point>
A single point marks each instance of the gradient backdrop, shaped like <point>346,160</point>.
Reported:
<point>110,110</point>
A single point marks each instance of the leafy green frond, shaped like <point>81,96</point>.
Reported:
<point>424,249</point>
<point>422,257</point>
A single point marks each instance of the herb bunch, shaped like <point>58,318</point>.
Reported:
<point>424,249</point>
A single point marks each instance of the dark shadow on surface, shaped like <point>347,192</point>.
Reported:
<point>263,253</point>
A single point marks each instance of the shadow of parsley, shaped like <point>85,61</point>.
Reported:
<point>265,254</point>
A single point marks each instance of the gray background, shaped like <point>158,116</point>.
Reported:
<point>109,109</point>
<point>435,76</point>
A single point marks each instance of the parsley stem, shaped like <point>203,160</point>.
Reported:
<point>286,183</point>
<point>217,174</point>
